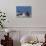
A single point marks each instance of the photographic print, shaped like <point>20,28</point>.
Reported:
<point>24,11</point>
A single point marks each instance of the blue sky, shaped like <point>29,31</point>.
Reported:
<point>23,9</point>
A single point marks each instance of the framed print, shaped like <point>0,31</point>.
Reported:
<point>24,11</point>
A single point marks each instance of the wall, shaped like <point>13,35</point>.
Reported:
<point>38,13</point>
<point>36,23</point>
